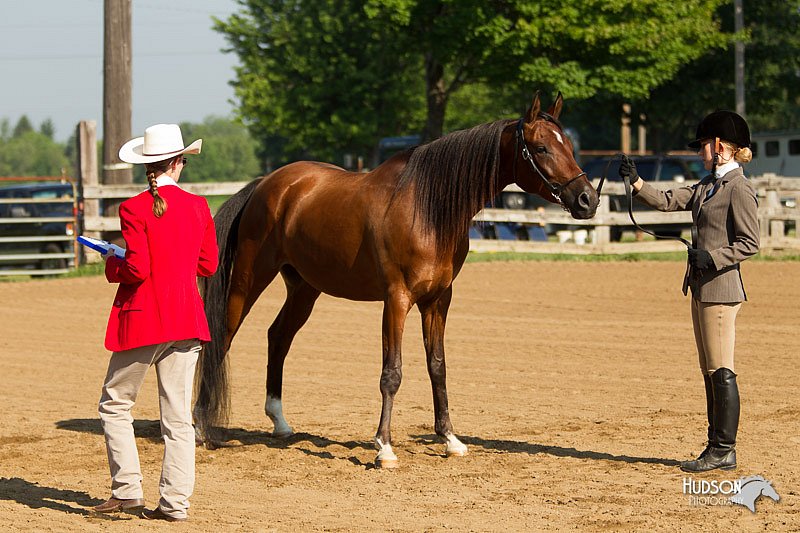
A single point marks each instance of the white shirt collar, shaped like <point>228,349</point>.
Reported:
<point>163,179</point>
<point>725,168</point>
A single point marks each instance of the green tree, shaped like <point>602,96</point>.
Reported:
<point>328,76</point>
<point>228,153</point>
<point>23,126</point>
<point>32,154</point>
<point>579,47</point>
<point>319,78</point>
<point>772,69</point>
<point>772,78</point>
<point>47,128</point>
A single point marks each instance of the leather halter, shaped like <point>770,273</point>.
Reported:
<point>556,189</point>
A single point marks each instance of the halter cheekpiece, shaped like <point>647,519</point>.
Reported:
<point>556,189</point>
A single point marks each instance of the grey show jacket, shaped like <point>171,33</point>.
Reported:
<point>727,226</point>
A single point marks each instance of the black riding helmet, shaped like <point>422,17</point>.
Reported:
<point>725,125</point>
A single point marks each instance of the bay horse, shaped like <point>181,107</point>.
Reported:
<point>397,234</point>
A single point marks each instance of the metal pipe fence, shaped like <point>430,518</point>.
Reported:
<point>32,243</point>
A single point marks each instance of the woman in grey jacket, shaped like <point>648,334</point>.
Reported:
<point>724,214</point>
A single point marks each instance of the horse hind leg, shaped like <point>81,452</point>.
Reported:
<point>248,280</point>
<point>434,318</point>
<point>300,300</point>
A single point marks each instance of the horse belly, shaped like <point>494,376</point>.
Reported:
<point>337,259</point>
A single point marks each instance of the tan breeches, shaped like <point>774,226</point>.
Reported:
<point>175,363</point>
<point>715,334</point>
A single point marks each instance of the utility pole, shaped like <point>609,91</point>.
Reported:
<point>738,26</point>
<point>116,94</point>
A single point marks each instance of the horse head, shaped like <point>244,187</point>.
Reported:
<point>752,488</point>
<point>545,164</point>
<point>770,492</point>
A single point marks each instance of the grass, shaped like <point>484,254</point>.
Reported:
<point>97,269</point>
<point>215,201</point>
<point>94,269</point>
<point>482,257</point>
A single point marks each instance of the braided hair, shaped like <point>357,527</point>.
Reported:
<point>152,169</point>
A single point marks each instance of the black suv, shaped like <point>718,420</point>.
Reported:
<point>675,168</point>
<point>46,237</point>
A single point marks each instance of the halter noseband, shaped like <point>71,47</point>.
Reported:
<point>556,189</point>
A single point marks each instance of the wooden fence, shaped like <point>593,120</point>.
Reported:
<point>778,197</point>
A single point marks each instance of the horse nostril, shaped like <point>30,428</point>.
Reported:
<point>584,201</point>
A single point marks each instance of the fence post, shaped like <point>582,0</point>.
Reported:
<point>774,206</point>
<point>625,129</point>
<point>87,174</point>
<point>602,234</point>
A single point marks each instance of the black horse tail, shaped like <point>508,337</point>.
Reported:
<point>212,403</point>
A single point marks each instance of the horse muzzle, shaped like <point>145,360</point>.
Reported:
<point>581,199</point>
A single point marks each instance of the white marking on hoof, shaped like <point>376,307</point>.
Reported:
<point>386,457</point>
<point>455,448</point>
<point>274,410</point>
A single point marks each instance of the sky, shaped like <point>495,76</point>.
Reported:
<point>51,62</point>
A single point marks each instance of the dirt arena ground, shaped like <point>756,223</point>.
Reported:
<point>575,386</point>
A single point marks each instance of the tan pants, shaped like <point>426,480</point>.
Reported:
<point>175,363</point>
<point>715,334</point>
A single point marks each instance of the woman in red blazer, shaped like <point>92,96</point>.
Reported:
<point>157,319</point>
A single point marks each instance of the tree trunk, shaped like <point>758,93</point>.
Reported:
<point>436,97</point>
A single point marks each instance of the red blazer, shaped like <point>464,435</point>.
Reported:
<point>158,300</point>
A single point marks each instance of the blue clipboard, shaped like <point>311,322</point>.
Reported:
<point>102,246</point>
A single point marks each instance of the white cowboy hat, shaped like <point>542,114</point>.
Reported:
<point>160,142</point>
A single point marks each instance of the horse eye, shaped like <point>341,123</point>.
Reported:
<point>541,150</point>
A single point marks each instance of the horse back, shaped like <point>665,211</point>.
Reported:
<point>351,235</point>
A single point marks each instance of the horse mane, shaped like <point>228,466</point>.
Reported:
<point>453,177</point>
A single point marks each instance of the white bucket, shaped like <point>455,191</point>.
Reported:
<point>564,236</point>
<point>580,236</point>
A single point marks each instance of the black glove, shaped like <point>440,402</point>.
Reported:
<point>628,168</point>
<point>700,259</point>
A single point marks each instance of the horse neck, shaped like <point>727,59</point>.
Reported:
<point>508,158</point>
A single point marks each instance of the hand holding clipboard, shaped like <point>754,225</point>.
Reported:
<point>104,247</point>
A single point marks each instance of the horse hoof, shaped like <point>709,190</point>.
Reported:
<point>387,463</point>
<point>455,448</point>
<point>283,434</point>
<point>457,452</point>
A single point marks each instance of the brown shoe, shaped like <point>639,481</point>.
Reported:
<point>158,514</point>
<point>115,505</point>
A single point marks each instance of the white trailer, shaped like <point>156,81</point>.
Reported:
<point>776,152</point>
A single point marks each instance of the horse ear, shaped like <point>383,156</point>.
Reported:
<point>534,109</point>
<point>555,109</point>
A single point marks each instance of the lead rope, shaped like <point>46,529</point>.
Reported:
<point>629,195</point>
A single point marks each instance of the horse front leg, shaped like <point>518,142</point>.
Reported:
<point>434,318</point>
<point>395,310</point>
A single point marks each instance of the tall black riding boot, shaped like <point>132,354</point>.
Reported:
<point>722,450</point>
<point>709,413</point>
